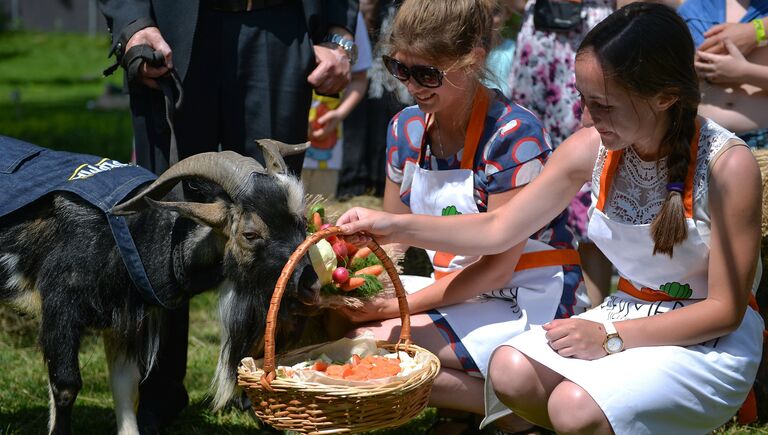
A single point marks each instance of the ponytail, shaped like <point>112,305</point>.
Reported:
<point>669,226</point>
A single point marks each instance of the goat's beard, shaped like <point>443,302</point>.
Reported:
<point>243,327</point>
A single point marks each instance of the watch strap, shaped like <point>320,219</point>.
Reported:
<point>610,328</point>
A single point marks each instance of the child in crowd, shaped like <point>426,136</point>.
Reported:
<point>676,208</point>
<point>732,62</point>
<point>467,149</point>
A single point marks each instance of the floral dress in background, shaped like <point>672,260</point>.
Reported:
<point>542,79</point>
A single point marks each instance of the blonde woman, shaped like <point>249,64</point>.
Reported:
<point>467,149</point>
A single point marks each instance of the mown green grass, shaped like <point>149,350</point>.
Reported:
<point>54,76</point>
<point>46,82</point>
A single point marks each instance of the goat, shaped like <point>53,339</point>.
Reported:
<point>59,260</point>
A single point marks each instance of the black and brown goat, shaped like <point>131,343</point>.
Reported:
<point>233,230</point>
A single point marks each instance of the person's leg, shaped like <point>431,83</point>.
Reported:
<point>589,419</point>
<point>353,175</point>
<point>527,391</point>
<point>265,92</point>
<point>162,395</point>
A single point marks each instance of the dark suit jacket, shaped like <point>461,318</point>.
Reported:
<point>177,20</point>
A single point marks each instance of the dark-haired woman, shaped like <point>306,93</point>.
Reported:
<point>676,209</point>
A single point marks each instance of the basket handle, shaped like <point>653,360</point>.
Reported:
<point>274,304</point>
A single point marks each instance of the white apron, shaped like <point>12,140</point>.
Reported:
<point>533,294</point>
<point>658,389</point>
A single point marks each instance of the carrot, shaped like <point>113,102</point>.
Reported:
<point>317,221</point>
<point>352,283</point>
<point>320,365</point>
<point>374,270</point>
<point>363,252</point>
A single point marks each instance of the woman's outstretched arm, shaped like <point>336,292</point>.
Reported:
<point>569,167</point>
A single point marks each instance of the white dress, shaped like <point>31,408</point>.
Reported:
<point>659,389</point>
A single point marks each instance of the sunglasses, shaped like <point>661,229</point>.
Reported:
<point>427,76</point>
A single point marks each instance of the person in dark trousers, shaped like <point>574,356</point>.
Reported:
<point>247,69</point>
<point>365,129</point>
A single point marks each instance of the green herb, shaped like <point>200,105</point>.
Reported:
<point>359,263</point>
<point>371,288</point>
<point>330,289</point>
<point>317,208</point>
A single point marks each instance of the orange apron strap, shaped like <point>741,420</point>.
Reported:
<point>651,295</point>
<point>612,160</point>
<point>532,260</point>
<point>553,257</point>
<point>429,120</point>
<point>475,128</point>
<point>471,142</point>
<point>439,274</point>
<point>606,177</point>
<point>688,193</point>
<point>645,293</point>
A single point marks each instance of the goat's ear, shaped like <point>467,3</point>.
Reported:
<point>213,215</point>
<point>274,151</point>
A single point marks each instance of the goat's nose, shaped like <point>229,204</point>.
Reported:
<point>309,286</point>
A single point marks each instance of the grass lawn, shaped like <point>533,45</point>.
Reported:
<point>46,82</point>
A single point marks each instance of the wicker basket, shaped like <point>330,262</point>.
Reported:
<point>291,404</point>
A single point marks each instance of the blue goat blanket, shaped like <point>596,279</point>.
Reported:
<point>29,172</point>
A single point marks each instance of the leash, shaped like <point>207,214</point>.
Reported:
<point>170,85</point>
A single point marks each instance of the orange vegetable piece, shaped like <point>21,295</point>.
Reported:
<point>363,252</point>
<point>335,371</point>
<point>352,283</point>
<point>374,270</point>
<point>317,221</point>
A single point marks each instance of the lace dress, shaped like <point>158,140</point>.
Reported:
<point>657,389</point>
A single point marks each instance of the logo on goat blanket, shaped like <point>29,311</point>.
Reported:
<point>87,170</point>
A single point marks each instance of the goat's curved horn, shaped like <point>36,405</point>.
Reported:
<point>274,151</point>
<point>228,169</point>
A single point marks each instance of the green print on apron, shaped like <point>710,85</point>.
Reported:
<point>531,296</point>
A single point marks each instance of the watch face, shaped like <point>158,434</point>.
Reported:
<point>614,345</point>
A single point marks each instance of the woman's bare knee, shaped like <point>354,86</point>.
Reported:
<point>512,374</point>
<point>573,411</point>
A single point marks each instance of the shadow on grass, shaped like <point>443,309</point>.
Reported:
<point>87,419</point>
<point>9,54</point>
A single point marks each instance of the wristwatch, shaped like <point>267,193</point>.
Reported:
<point>348,45</point>
<point>613,342</point>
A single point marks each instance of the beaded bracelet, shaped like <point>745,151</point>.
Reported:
<point>762,38</point>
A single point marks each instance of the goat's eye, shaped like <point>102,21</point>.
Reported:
<point>251,236</point>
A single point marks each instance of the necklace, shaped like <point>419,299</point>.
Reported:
<point>439,140</point>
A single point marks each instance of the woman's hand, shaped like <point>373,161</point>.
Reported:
<point>360,224</point>
<point>576,338</point>
<point>722,68</point>
<point>375,309</point>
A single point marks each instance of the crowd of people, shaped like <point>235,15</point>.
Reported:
<point>604,135</point>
